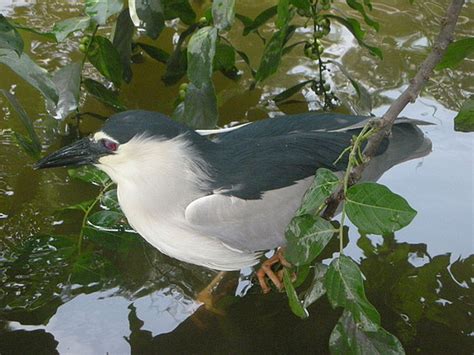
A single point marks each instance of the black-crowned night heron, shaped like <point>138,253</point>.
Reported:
<point>220,198</point>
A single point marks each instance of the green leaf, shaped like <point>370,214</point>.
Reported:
<point>68,83</point>
<point>31,72</point>
<point>109,200</point>
<point>306,237</point>
<point>360,8</point>
<point>456,53</point>
<point>64,28</point>
<point>179,8</point>
<point>373,208</point>
<point>223,13</point>
<point>175,66</point>
<point>101,10</point>
<point>103,55</point>
<point>122,41</point>
<point>154,52</point>
<point>316,290</point>
<point>345,288</point>
<point>354,27</point>
<point>271,57</point>
<point>148,15</point>
<point>27,145</point>
<point>464,120</point>
<point>103,94</point>
<point>31,144</point>
<point>262,18</point>
<point>91,175</point>
<point>224,59</point>
<point>283,14</point>
<point>304,5</point>
<point>324,184</point>
<point>348,338</point>
<point>107,220</point>
<point>9,37</point>
<point>199,109</point>
<point>295,303</point>
<point>291,91</point>
<point>201,50</point>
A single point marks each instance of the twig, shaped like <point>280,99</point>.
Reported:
<point>384,125</point>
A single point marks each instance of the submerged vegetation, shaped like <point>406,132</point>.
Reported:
<point>113,38</point>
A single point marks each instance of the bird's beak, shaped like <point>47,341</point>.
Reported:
<point>79,153</point>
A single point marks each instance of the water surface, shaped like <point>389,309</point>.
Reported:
<point>122,296</point>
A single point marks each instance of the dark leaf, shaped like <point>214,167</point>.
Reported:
<point>31,144</point>
<point>373,208</point>
<point>91,175</point>
<point>224,59</point>
<point>68,83</point>
<point>109,200</point>
<point>9,37</point>
<point>324,184</point>
<point>156,53</point>
<point>316,289</point>
<point>199,109</point>
<point>175,66</point>
<point>345,288</point>
<point>109,220</point>
<point>354,27</point>
<point>290,91</point>
<point>306,237</point>
<point>348,338</point>
<point>201,50</point>
<point>31,72</point>
<point>289,48</point>
<point>223,13</point>
<point>124,31</point>
<point>103,55</point>
<point>101,10</point>
<point>464,120</point>
<point>64,28</point>
<point>304,5</point>
<point>295,303</point>
<point>271,56</point>
<point>46,35</point>
<point>103,94</point>
<point>179,8</point>
<point>262,18</point>
<point>27,145</point>
<point>365,101</point>
<point>148,15</point>
<point>456,53</point>
<point>360,8</point>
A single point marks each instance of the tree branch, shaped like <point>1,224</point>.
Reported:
<point>385,124</point>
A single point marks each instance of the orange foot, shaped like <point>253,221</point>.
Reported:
<point>266,270</point>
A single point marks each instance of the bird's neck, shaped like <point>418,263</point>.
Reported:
<point>161,178</point>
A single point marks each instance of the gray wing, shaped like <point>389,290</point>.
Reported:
<point>247,225</point>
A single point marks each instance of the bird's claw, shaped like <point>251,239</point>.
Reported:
<point>266,270</point>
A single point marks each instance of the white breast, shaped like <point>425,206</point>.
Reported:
<point>156,181</point>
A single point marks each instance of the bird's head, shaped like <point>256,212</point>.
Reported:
<point>127,140</point>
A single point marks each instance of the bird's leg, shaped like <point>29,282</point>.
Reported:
<point>205,296</point>
<point>266,270</point>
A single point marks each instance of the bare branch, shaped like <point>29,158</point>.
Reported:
<point>445,37</point>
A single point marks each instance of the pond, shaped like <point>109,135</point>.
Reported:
<point>120,295</point>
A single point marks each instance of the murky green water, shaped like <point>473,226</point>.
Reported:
<point>121,295</point>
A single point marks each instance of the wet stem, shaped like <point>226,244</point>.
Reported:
<point>355,158</point>
<point>87,213</point>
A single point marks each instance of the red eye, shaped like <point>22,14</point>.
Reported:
<point>110,145</point>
